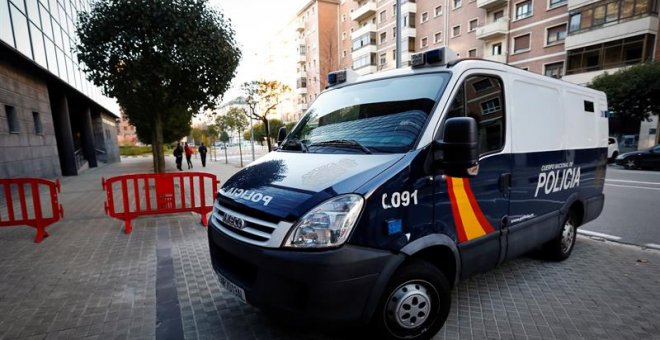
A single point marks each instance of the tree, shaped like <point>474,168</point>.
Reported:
<point>234,120</point>
<point>259,130</point>
<point>267,94</point>
<point>160,59</point>
<point>633,93</point>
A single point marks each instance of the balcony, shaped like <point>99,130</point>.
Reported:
<point>490,4</point>
<point>302,58</point>
<point>369,28</point>
<point>500,58</point>
<point>408,7</point>
<point>407,32</point>
<point>364,11</point>
<point>366,49</point>
<point>611,32</point>
<point>300,25</point>
<point>494,29</point>
<point>366,70</point>
<point>301,90</point>
<point>302,107</point>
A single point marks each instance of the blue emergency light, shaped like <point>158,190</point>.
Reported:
<point>440,56</point>
<point>338,77</point>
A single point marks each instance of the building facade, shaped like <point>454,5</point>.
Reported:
<point>55,122</point>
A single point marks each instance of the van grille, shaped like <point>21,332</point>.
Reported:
<point>251,230</point>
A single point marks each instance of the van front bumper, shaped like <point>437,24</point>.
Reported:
<point>341,284</point>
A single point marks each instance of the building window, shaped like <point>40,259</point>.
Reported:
<point>456,31</point>
<point>457,3</point>
<point>36,118</point>
<point>437,38</point>
<point>383,59</point>
<point>472,25</point>
<point>383,37</point>
<point>394,54</point>
<point>383,16</point>
<point>612,54</point>
<point>12,119</point>
<point>394,32</point>
<point>409,20</point>
<point>556,34</point>
<point>490,106</point>
<point>394,10</point>
<point>411,44</point>
<point>343,53</point>
<point>343,17</point>
<point>497,49</point>
<point>364,40</point>
<point>557,3</point>
<point>472,53</point>
<point>498,15</point>
<point>521,43</point>
<point>424,42</point>
<point>554,70</point>
<point>438,11</point>
<point>601,13</point>
<point>343,35</point>
<point>425,17</point>
<point>524,9</point>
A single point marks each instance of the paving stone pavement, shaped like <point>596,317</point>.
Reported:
<point>90,280</point>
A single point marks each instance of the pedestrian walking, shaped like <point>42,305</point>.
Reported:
<point>202,154</point>
<point>189,151</point>
<point>178,155</point>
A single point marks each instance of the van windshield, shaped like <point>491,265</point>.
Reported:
<point>381,116</point>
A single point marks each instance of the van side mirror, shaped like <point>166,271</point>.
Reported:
<point>459,156</point>
<point>281,135</point>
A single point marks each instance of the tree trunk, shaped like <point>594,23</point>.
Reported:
<point>157,146</point>
<point>267,127</point>
<point>240,151</point>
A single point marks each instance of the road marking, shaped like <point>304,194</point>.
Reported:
<point>652,245</point>
<point>596,234</point>
<point>626,181</point>
<point>631,186</point>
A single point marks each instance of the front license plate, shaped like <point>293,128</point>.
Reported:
<point>232,287</point>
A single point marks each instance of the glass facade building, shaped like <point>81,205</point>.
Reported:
<point>53,121</point>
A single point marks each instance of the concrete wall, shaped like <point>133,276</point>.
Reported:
<point>26,154</point>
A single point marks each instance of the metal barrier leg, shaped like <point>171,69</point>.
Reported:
<point>41,234</point>
<point>204,221</point>
<point>128,227</point>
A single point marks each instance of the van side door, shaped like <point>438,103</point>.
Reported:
<point>473,209</point>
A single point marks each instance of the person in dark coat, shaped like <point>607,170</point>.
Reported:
<point>202,154</point>
<point>178,155</point>
<point>189,151</point>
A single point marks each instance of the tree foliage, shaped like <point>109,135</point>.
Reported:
<point>266,95</point>
<point>633,93</point>
<point>259,131</point>
<point>160,59</point>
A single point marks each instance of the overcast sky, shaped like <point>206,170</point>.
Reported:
<point>255,21</point>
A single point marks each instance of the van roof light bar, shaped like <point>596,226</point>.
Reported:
<point>342,76</point>
<point>436,57</point>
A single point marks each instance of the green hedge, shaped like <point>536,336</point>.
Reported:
<point>133,150</point>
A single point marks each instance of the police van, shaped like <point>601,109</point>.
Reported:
<point>394,186</point>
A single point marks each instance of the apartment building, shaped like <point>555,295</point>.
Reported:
<point>318,48</point>
<point>55,122</point>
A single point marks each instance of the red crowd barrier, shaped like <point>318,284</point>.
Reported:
<point>32,211</point>
<point>154,194</point>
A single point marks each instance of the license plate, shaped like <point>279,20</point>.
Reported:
<point>232,287</point>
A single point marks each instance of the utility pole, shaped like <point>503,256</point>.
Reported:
<point>252,138</point>
<point>399,19</point>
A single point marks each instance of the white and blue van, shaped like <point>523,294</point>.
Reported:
<point>394,186</point>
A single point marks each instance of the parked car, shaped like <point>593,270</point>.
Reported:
<point>644,159</point>
<point>612,149</point>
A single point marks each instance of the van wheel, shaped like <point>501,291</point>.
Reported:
<point>415,304</point>
<point>560,248</point>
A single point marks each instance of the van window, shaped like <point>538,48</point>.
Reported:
<point>482,98</point>
<point>381,116</point>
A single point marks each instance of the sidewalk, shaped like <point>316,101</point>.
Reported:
<point>90,280</point>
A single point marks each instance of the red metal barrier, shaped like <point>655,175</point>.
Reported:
<point>31,210</point>
<point>154,194</point>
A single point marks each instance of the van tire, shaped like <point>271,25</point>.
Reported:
<point>560,248</point>
<point>422,289</point>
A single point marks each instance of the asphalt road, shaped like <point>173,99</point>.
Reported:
<point>632,208</point>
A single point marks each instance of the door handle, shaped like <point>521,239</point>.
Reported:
<point>505,183</point>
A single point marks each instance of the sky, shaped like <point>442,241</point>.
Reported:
<point>255,22</point>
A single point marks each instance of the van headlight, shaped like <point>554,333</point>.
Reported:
<point>328,224</point>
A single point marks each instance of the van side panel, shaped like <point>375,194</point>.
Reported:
<point>558,152</point>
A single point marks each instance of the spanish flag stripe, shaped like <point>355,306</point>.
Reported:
<point>469,219</point>
<point>483,221</point>
<point>460,231</point>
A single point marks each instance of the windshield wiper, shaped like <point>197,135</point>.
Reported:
<point>290,144</point>
<point>351,143</point>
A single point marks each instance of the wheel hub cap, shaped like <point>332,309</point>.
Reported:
<point>410,305</point>
<point>567,236</point>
